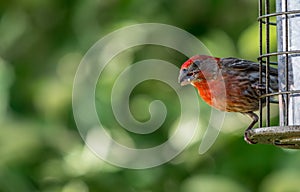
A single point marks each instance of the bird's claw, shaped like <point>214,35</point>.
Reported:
<point>247,139</point>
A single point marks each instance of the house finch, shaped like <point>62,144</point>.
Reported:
<point>228,84</point>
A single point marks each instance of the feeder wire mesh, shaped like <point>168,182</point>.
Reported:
<point>279,18</point>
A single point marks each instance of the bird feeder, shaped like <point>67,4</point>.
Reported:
<point>285,18</point>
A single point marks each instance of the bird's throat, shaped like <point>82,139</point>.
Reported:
<point>204,91</point>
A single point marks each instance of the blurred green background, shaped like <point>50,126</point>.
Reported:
<point>41,45</point>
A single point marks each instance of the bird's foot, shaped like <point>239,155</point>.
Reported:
<point>247,139</point>
<point>255,118</point>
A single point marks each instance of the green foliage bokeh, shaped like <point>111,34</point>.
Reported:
<point>41,45</point>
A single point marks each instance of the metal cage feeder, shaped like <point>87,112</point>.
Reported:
<point>286,19</point>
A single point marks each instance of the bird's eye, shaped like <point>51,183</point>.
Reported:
<point>190,73</point>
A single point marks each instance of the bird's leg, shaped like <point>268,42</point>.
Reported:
<point>255,118</point>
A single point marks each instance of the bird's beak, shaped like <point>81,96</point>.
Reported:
<point>184,78</point>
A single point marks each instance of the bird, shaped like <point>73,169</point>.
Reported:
<point>229,84</point>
